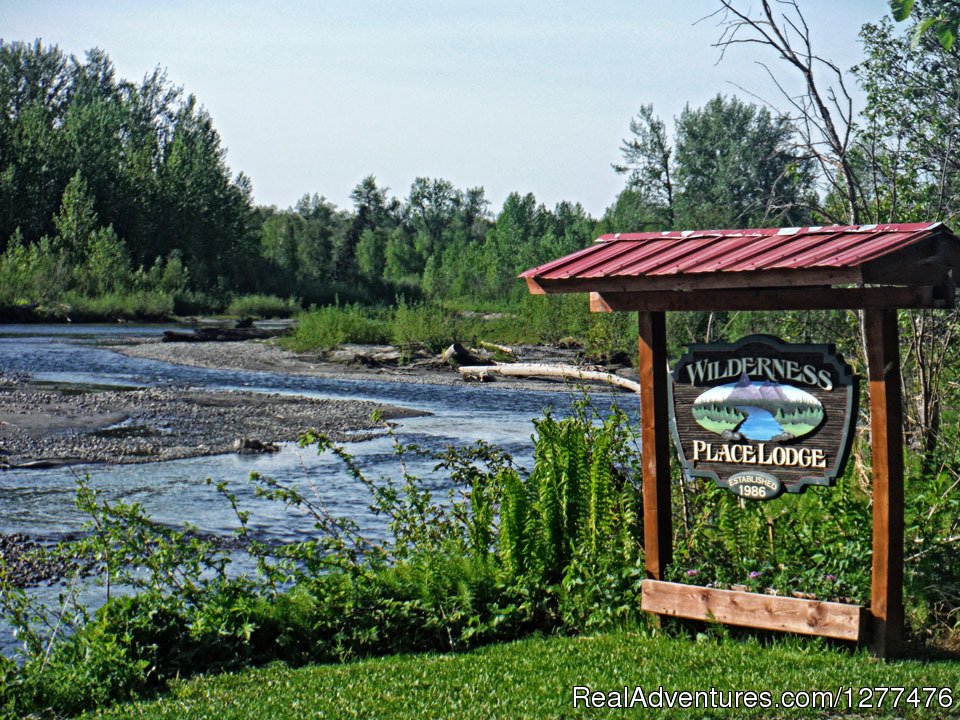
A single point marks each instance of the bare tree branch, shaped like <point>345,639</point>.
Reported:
<point>825,113</point>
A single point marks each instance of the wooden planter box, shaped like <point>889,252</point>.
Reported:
<point>768,612</point>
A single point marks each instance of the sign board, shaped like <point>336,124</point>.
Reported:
<point>763,417</point>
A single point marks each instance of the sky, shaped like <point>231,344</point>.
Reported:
<point>534,96</point>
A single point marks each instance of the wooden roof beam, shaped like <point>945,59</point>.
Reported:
<point>698,281</point>
<point>802,298</point>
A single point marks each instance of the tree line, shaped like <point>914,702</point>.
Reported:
<point>114,186</point>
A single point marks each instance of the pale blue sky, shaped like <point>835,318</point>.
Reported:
<point>527,96</point>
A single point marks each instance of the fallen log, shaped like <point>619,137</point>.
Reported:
<point>567,372</point>
<point>493,346</point>
<point>457,355</point>
<point>220,334</point>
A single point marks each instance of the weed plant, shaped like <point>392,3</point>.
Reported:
<point>263,306</point>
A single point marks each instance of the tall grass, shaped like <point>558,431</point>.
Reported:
<point>116,305</point>
<point>265,306</point>
<point>535,320</point>
<point>327,327</point>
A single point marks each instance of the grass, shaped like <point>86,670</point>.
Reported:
<point>128,305</point>
<point>263,306</point>
<point>535,320</point>
<point>534,678</point>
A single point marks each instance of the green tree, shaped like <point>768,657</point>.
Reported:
<point>372,210</point>
<point>208,216</point>
<point>34,95</point>
<point>371,254</point>
<point>632,212</point>
<point>107,264</point>
<point>941,17</point>
<point>733,165</point>
<point>321,241</point>
<point>402,262</point>
<point>647,163</point>
<point>736,166</point>
<point>907,148</point>
<point>151,161</point>
<point>76,220</point>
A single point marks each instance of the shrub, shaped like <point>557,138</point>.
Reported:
<point>328,327</point>
<point>194,302</point>
<point>422,323</point>
<point>264,306</point>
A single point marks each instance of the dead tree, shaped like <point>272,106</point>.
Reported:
<point>823,113</point>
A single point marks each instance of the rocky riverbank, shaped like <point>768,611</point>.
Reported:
<point>42,426</point>
<point>28,563</point>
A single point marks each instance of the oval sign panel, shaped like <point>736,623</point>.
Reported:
<point>761,416</point>
<point>754,485</point>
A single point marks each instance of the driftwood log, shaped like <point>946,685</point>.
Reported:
<point>497,348</point>
<point>220,334</point>
<point>567,372</point>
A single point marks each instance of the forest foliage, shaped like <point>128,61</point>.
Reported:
<point>115,191</point>
<point>112,187</point>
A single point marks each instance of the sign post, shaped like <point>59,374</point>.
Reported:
<point>762,418</point>
<point>654,444</point>
<point>886,444</point>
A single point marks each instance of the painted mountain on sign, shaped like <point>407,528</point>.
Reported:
<point>758,411</point>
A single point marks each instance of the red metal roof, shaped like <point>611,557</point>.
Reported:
<point>631,255</point>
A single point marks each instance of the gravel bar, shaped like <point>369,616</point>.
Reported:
<point>46,426</point>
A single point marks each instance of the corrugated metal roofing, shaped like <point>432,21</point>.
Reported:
<point>631,255</point>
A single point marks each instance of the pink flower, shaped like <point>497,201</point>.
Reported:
<point>691,573</point>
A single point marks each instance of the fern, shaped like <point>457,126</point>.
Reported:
<point>573,505</point>
<point>514,517</point>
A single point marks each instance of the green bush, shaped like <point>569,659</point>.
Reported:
<point>328,327</point>
<point>194,302</point>
<point>423,323</point>
<point>264,306</point>
<point>814,543</point>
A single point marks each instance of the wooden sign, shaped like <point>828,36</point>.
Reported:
<point>763,417</point>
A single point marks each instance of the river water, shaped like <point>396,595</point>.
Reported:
<point>40,502</point>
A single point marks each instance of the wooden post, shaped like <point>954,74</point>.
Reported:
<point>886,441</point>
<point>655,444</point>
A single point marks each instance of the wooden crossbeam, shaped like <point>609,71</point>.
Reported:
<point>767,612</point>
<point>793,298</point>
<point>698,281</point>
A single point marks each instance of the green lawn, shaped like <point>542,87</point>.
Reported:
<point>534,678</point>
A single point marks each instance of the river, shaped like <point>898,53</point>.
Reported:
<point>40,502</point>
